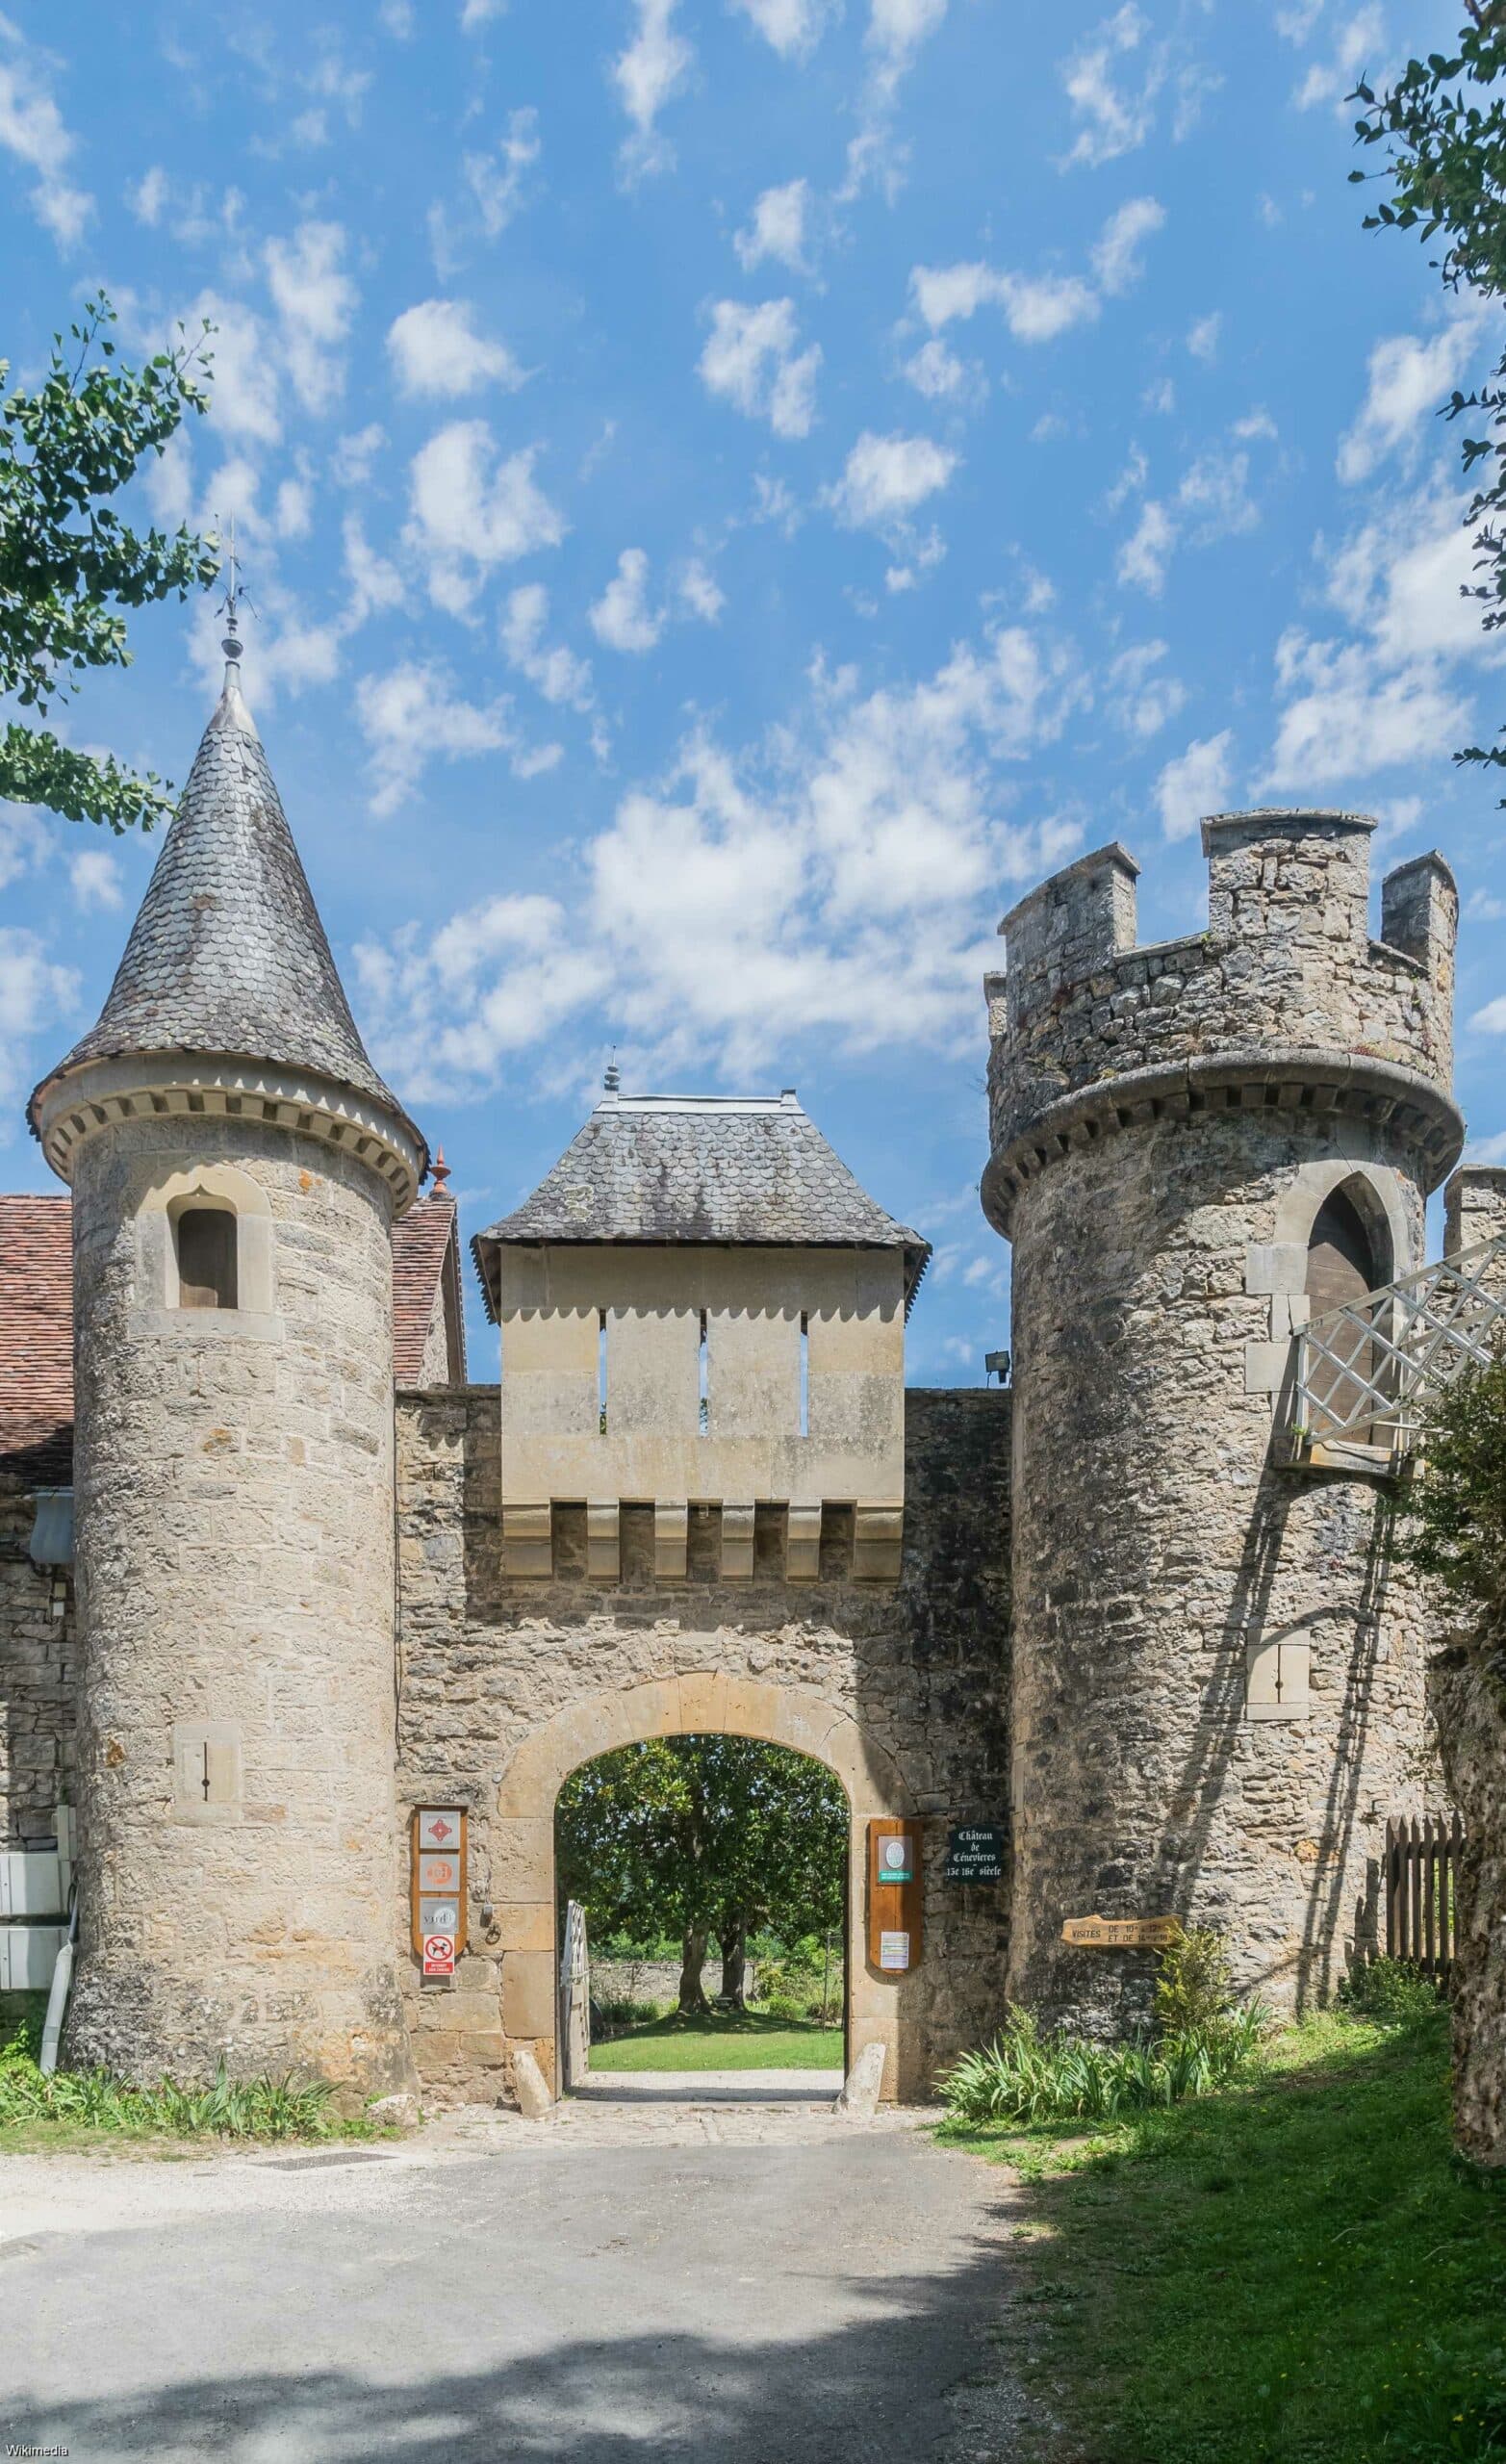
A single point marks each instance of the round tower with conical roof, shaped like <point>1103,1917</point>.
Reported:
<point>236,1165</point>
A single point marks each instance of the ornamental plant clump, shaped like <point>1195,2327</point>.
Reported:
<point>1202,2040</point>
<point>229,2109</point>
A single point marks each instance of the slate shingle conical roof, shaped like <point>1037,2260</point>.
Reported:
<point>753,1171</point>
<point>227,954</point>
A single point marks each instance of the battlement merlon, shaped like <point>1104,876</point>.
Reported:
<point>1286,987</point>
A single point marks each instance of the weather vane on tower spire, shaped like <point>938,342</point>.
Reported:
<point>230,604</point>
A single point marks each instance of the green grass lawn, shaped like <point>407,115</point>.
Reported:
<point>722,2041</point>
<point>1300,2271</point>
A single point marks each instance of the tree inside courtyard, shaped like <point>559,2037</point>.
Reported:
<point>704,1838</point>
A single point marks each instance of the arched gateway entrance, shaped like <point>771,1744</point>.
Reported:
<point>788,1715</point>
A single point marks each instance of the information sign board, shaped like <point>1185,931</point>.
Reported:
<point>1121,1933</point>
<point>975,1852</point>
<point>896,1896</point>
<point>438,1887</point>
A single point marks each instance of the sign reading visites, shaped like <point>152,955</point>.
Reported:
<point>440,1847</point>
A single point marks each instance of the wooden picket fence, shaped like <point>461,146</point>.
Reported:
<point>1421,1876</point>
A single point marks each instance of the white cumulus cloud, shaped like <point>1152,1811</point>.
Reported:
<point>648,74</point>
<point>1195,785</point>
<point>746,900</point>
<point>1117,258</point>
<point>435,348</point>
<point>412,716</point>
<point>794,27</point>
<point>34,130</point>
<point>471,508</point>
<point>885,477</point>
<point>1111,101</point>
<point>1408,378</point>
<point>314,303</point>
<point>752,360</point>
<point>555,670</point>
<point>777,228</point>
<point>621,617</point>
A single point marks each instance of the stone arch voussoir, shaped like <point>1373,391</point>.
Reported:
<point>702,1701</point>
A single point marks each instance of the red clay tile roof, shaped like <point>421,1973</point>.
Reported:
<point>37,1340</point>
<point>423,1244</point>
<point>36,1324</point>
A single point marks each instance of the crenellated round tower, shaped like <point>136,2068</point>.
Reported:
<point>236,1166</point>
<point>1217,1673</point>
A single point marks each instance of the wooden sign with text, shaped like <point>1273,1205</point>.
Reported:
<point>1122,1933</point>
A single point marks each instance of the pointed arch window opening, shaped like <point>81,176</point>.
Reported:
<point>601,1372</point>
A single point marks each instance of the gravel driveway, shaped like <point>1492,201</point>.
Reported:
<point>701,2284</point>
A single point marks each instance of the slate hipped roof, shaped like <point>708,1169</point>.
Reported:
<point>227,955</point>
<point>750,1171</point>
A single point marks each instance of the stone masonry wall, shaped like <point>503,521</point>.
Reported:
<point>1286,962</point>
<point>235,1572</point>
<point>921,1668</point>
<point>1163,1559</point>
<point>36,1672</point>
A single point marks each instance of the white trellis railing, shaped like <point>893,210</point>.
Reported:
<point>1363,1374</point>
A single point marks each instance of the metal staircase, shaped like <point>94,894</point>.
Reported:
<point>1363,1375</point>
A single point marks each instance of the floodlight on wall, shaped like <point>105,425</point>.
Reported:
<point>996,1364</point>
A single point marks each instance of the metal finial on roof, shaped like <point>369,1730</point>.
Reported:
<point>230,604</point>
<point>612,1077</point>
<point>440,1175</point>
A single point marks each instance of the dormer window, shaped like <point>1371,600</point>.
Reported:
<point>205,1238</point>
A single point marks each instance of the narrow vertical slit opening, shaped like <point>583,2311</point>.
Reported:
<point>804,1375</point>
<point>703,1381</point>
<point>600,1371</point>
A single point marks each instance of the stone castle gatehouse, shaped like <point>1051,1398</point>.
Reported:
<point>273,1572</point>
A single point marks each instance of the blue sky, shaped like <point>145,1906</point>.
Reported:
<point>733,491</point>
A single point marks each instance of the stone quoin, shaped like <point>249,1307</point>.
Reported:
<point>319,1579</point>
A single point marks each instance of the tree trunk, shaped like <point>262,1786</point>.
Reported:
<point>732,1943</point>
<point>692,1960</point>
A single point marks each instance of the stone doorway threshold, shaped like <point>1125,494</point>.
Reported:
<point>811,2087</point>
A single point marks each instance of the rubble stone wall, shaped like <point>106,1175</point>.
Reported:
<point>36,1678</point>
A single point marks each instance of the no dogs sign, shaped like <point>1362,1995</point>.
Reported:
<point>439,1954</point>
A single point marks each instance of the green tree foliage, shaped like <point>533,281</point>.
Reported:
<point>696,1835</point>
<point>70,564</point>
<point>1455,1528</point>
<point>1441,127</point>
